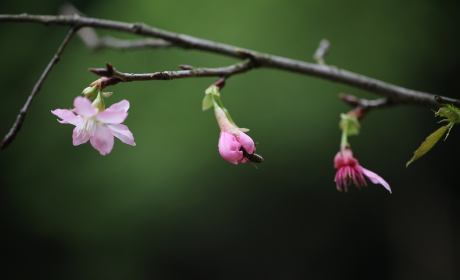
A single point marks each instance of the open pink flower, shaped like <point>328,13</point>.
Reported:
<point>349,170</point>
<point>232,141</point>
<point>97,127</point>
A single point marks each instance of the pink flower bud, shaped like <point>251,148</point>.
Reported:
<point>232,141</point>
<point>231,147</point>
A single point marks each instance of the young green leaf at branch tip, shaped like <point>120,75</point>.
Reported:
<point>430,141</point>
<point>451,114</point>
<point>208,100</point>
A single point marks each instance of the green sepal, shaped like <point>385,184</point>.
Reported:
<point>98,102</point>
<point>214,90</point>
<point>212,95</point>
<point>430,141</point>
<point>208,102</point>
<point>351,123</point>
<point>90,92</point>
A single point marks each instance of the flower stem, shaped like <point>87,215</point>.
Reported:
<point>344,140</point>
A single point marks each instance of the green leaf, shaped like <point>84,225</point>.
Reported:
<point>207,102</point>
<point>451,113</point>
<point>430,141</point>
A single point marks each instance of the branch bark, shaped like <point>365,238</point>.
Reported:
<point>397,94</point>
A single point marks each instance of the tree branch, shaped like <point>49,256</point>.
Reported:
<point>394,93</point>
<point>228,71</point>
<point>23,112</point>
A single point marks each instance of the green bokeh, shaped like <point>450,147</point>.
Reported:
<point>172,208</point>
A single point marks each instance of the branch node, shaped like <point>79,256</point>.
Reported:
<point>363,106</point>
<point>160,76</point>
<point>249,55</point>
<point>108,81</point>
<point>186,67</point>
<point>110,69</point>
<point>136,27</point>
<point>220,83</point>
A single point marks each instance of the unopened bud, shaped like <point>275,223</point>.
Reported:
<point>90,92</point>
<point>98,103</point>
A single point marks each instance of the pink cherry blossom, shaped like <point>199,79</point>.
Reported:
<point>97,127</point>
<point>231,147</point>
<point>349,170</point>
<point>232,140</point>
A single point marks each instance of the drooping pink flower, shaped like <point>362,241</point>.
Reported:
<point>231,147</point>
<point>349,170</point>
<point>97,127</point>
<point>232,141</point>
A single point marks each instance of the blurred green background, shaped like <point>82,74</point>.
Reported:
<point>172,208</point>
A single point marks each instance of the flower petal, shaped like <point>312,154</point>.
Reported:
<point>338,160</point>
<point>114,117</point>
<point>376,179</point>
<point>122,132</point>
<point>67,116</point>
<point>83,107</point>
<point>102,139</point>
<point>229,148</point>
<point>246,142</point>
<point>120,106</point>
<point>79,136</point>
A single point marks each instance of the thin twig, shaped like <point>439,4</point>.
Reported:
<point>321,52</point>
<point>227,71</point>
<point>115,43</point>
<point>95,42</point>
<point>372,104</point>
<point>446,100</point>
<point>363,106</point>
<point>395,93</point>
<point>23,112</point>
